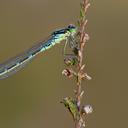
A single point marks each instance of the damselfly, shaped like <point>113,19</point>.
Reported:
<point>15,64</point>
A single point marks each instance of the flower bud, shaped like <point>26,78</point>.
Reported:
<point>67,73</point>
<point>87,109</point>
<point>88,77</point>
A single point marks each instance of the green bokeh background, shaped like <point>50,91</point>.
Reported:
<point>30,99</point>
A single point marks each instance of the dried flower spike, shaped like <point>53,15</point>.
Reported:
<point>74,105</point>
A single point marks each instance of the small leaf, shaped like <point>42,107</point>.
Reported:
<point>82,14</point>
<point>78,23</point>
<point>72,107</point>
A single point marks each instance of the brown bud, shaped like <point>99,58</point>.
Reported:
<point>67,72</point>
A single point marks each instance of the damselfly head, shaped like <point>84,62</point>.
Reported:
<point>71,26</point>
<point>72,29</point>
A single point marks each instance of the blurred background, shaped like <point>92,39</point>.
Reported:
<point>31,98</point>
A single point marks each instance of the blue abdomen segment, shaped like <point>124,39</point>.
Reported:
<point>17,63</point>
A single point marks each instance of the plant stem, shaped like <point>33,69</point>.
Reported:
<point>82,40</point>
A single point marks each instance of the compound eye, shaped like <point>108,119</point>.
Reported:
<point>71,26</point>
